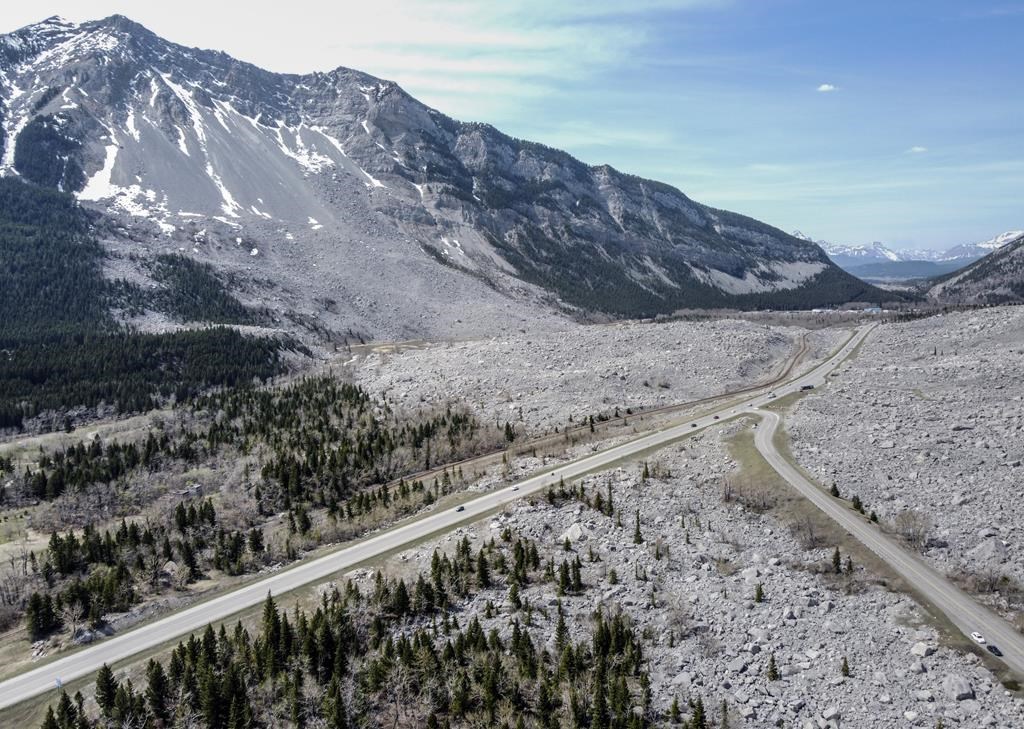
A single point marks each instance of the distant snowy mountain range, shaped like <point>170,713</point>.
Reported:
<point>876,261</point>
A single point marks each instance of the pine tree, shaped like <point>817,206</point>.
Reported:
<point>637,536</point>
<point>673,712</point>
<point>837,562</point>
<point>400,599</point>
<point>50,722</point>
<point>599,718</point>
<point>561,631</point>
<point>156,690</point>
<point>106,689</point>
<point>646,472</point>
<point>844,669</point>
<point>483,574</point>
<point>563,579</point>
<point>759,593</point>
<point>773,670</point>
<point>698,720</point>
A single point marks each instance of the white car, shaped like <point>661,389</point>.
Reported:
<point>978,638</point>
<point>515,488</point>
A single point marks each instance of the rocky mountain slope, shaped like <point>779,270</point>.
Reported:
<point>998,278</point>
<point>344,205</point>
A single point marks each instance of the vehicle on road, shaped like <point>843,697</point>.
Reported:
<point>460,508</point>
<point>771,395</point>
<point>716,417</point>
<point>693,425</point>
<point>807,387</point>
<point>515,488</point>
<point>978,638</point>
<point>994,650</point>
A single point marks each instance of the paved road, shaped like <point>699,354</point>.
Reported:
<point>124,645</point>
<point>964,612</point>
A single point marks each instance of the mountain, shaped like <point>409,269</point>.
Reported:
<point>878,263</point>
<point>973,251</point>
<point>998,278</point>
<point>342,204</point>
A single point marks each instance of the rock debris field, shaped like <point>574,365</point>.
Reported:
<point>929,419</point>
<point>536,381</point>
<point>690,590</point>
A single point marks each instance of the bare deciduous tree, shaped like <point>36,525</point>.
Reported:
<point>913,526</point>
<point>806,532</point>
<point>71,615</point>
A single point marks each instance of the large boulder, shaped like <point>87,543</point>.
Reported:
<point>957,688</point>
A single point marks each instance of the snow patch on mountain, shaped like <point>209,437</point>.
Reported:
<point>99,186</point>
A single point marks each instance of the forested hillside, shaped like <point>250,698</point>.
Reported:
<point>59,346</point>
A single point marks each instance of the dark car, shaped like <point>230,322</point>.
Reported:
<point>807,387</point>
<point>994,650</point>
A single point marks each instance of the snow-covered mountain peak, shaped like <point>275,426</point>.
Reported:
<point>1002,239</point>
<point>873,251</point>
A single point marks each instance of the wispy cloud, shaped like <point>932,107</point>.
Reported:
<point>442,50</point>
<point>917,149</point>
<point>826,88</point>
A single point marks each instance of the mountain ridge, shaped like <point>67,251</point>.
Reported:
<point>308,180</point>
<point>998,278</point>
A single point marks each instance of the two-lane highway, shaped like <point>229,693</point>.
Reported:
<point>122,646</point>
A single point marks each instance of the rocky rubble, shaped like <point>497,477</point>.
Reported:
<point>690,588</point>
<point>536,381</point>
<point>929,418</point>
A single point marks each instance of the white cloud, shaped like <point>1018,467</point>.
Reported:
<point>917,149</point>
<point>825,88</point>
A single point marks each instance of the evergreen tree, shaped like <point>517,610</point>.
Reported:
<point>599,718</point>
<point>637,536</point>
<point>483,572</point>
<point>698,720</point>
<point>157,691</point>
<point>773,670</point>
<point>106,689</point>
<point>837,561</point>
<point>50,722</point>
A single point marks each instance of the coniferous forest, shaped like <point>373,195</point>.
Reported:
<point>404,654</point>
<point>59,346</point>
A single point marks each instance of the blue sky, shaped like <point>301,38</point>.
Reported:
<point>900,121</point>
